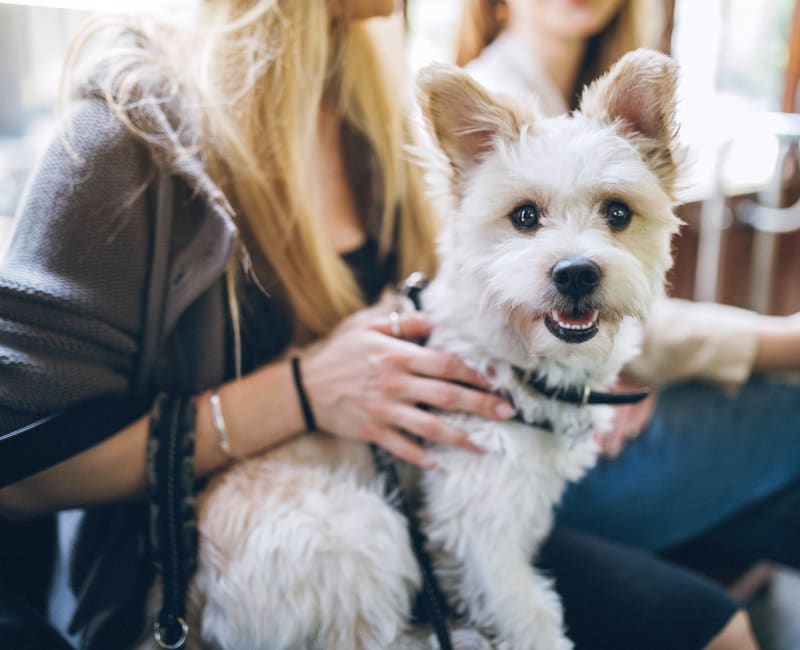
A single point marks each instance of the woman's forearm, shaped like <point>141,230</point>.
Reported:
<point>778,344</point>
<point>362,383</point>
<point>260,410</point>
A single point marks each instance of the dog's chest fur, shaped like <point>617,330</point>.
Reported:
<point>526,465</point>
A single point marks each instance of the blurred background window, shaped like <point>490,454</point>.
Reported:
<point>733,52</point>
<point>33,40</point>
<point>753,46</point>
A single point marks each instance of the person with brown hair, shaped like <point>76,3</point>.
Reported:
<point>553,48</point>
<point>696,466</point>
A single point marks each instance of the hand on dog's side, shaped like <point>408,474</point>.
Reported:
<point>366,384</point>
<point>629,421</point>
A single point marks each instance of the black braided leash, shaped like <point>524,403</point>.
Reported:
<point>431,598</point>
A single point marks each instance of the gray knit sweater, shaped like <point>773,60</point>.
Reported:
<point>74,281</point>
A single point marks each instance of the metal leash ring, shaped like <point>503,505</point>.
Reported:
<point>160,631</point>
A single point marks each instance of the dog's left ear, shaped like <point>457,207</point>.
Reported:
<point>464,119</point>
<point>638,92</point>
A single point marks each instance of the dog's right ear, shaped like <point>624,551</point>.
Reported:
<point>638,93</point>
<point>463,118</point>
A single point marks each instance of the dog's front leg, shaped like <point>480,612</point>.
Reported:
<point>483,549</point>
<point>507,595</point>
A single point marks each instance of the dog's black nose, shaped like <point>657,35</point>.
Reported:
<point>575,276</point>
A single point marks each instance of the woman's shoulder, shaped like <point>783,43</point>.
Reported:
<point>81,221</point>
<point>91,162</point>
<point>89,128</point>
<point>507,66</point>
<point>498,67</point>
<point>91,203</point>
<point>92,175</point>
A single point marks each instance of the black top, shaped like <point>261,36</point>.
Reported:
<point>266,323</point>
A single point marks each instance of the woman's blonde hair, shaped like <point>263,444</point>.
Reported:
<point>638,23</point>
<point>234,104</point>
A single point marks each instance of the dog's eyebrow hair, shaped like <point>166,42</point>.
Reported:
<point>632,193</point>
<point>536,195</point>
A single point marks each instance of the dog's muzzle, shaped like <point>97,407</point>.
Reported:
<point>575,279</point>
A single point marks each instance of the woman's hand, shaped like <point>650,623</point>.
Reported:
<point>364,383</point>
<point>629,421</point>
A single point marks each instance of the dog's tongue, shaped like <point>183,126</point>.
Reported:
<point>580,318</point>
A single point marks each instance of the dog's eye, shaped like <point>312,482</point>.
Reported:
<point>618,215</point>
<point>525,217</point>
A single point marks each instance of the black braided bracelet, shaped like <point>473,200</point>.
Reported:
<point>308,414</point>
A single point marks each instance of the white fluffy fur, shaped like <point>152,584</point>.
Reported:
<point>298,547</point>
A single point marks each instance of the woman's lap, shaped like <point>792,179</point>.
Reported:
<point>705,458</point>
<point>619,598</point>
<point>23,628</point>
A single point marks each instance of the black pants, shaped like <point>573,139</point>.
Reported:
<point>620,598</point>
<point>26,557</point>
<point>24,628</point>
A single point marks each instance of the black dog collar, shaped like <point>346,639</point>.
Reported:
<point>412,288</point>
<point>576,395</point>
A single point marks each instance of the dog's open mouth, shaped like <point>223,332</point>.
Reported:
<point>573,326</point>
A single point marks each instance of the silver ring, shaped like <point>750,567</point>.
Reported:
<point>394,323</point>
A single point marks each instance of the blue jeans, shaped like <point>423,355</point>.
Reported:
<point>708,463</point>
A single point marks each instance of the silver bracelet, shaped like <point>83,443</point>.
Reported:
<point>219,424</point>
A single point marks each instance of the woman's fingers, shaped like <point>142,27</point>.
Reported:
<point>424,361</point>
<point>366,378</point>
<point>442,365</point>
<point>449,396</point>
<point>430,426</point>
<point>629,421</point>
<point>401,446</point>
<point>410,325</point>
<point>611,443</point>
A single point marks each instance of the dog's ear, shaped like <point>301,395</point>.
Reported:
<point>639,91</point>
<point>464,119</point>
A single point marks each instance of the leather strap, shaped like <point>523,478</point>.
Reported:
<point>152,327</point>
<point>54,438</point>
<point>173,533</point>
<point>575,395</point>
<point>431,597</point>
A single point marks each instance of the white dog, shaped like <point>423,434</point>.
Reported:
<point>558,241</point>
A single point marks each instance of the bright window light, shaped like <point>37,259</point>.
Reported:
<point>107,6</point>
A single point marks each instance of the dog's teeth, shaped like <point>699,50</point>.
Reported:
<point>575,326</point>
